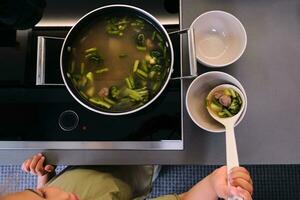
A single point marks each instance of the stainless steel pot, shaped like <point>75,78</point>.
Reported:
<point>92,16</point>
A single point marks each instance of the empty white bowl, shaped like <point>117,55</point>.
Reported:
<point>196,99</point>
<point>220,38</point>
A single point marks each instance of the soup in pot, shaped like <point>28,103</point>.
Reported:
<point>118,63</point>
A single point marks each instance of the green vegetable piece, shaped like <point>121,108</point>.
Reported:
<point>233,106</point>
<point>140,48</point>
<point>156,68</point>
<point>84,95</point>
<point>131,80</point>
<point>82,81</point>
<point>144,66</point>
<point>142,73</point>
<point>114,32</point>
<point>95,58</point>
<point>137,95</point>
<point>156,86</point>
<point>161,46</point>
<point>155,54</point>
<point>90,91</point>
<point>139,21</point>
<point>74,82</point>
<point>89,55</point>
<point>216,102</point>
<point>136,65</point>
<point>68,75</point>
<point>215,107</point>
<point>159,37</point>
<point>90,76</point>
<point>222,114</point>
<point>239,99</point>
<point>114,92</point>
<point>82,66</point>
<point>227,92</point>
<point>152,75</point>
<point>100,103</point>
<point>77,76</point>
<point>227,112</point>
<point>128,83</point>
<point>100,71</point>
<point>140,81</point>
<point>72,67</point>
<point>90,50</point>
<point>140,40</point>
<point>109,101</point>
<point>122,27</point>
<point>153,35</point>
<point>165,52</point>
<point>232,92</point>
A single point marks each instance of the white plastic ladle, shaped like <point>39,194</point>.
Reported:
<point>232,159</point>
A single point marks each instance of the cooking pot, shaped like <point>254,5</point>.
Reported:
<point>83,23</point>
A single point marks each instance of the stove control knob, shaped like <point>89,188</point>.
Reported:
<point>68,120</point>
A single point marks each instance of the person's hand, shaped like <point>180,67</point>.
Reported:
<point>240,183</point>
<point>35,166</point>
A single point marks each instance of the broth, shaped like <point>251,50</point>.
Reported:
<point>118,63</point>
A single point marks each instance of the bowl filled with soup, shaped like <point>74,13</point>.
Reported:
<point>116,60</point>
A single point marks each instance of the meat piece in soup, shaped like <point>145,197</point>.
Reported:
<point>119,63</point>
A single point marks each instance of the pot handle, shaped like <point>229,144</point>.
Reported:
<point>192,56</point>
<point>40,63</point>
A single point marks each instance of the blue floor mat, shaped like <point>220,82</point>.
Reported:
<point>271,182</point>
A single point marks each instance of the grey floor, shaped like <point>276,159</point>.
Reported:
<point>276,182</point>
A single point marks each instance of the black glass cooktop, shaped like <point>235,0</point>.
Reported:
<point>31,112</point>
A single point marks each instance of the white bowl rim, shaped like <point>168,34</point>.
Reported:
<point>243,30</point>
<point>242,90</point>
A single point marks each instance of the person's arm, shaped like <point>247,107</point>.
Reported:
<point>35,166</point>
<point>202,190</point>
<point>215,185</point>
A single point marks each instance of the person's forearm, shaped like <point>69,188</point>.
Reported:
<point>201,191</point>
<point>42,180</point>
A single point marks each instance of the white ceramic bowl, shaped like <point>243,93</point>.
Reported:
<point>220,38</point>
<point>197,93</point>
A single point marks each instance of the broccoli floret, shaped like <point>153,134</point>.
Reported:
<point>114,92</point>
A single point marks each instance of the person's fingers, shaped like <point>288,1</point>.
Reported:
<point>24,166</point>
<point>240,172</point>
<point>33,163</point>
<point>244,194</point>
<point>239,182</point>
<point>242,175</point>
<point>239,169</point>
<point>49,168</point>
<point>40,167</point>
<point>27,165</point>
<point>223,191</point>
<point>223,168</point>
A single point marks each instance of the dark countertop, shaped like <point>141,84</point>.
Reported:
<point>269,71</point>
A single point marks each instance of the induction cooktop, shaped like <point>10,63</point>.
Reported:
<point>38,112</point>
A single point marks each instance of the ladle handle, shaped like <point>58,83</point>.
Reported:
<point>231,154</point>
<point>231,150</point>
